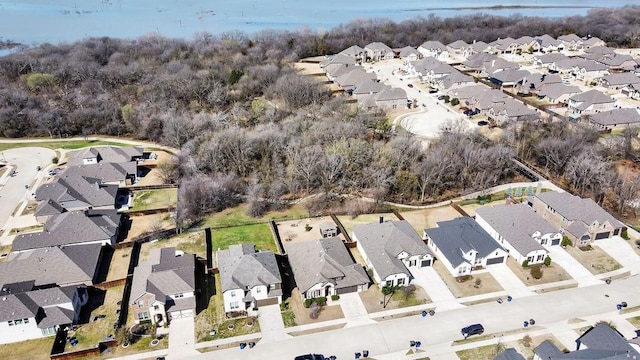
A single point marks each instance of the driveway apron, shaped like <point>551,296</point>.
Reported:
<point>354,310</point>
<point>583,276</point>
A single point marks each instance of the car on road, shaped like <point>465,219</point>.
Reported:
<point>410,85</point>
<point>13,173</point>
<point>475,329</point>
<point>441,97</point>
<point>310,357</point>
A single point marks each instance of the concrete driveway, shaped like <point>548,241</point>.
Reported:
<point>509,281</point>
<point>436,288</point>
<point>619,249</point>
<point>354,310</point>
<point>182,338</point>
<point>271,325</point>
<point>572,266</point>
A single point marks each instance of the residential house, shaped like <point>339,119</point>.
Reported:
<point>487,100</point>
<point>508,78</point>
<point>334,71</point>
<point>460,49</point>
<point>73,228</point>
<point>618,80</point>
<point>581,220</point>
<point>249,278</point>
<point>56,266</point>
<point>467,94</point>
<point>388,98</point>
<point>78,193</point>
<point>522,232</point>
<point>511,111</point>
<point>163,287</point>
<point>572,42</point>
<point>547,44</point>
<point>377,51</point>
<point>355,52</point>
<point>338,59</point>
<point>462,245</point>
<point>546,60</point>
<point>592,42</point>
<point>432,72</point>
<point>328,229</point>
<point>409,53</point>
<point>453,81</point>
<point>477,61</point>
<point>479,47</point>
<point>34,314</point>
<point>615,118</point>
<point>534,83</point>
<point>324,268</point>
<point>632,91</point>
<point>434,49</point>
<point>353,78</point>
<point>615,62</point>
<point>367,87</point>
<point>391,249</point>
<point>503,46</point>
<point>558,93</point>
<point>509,354</point>
<point>588,70</point>
<point>110,154</point>
<point>602,342</point>
<point>527,44</point>
<point>590,102</point>
<point>494,66</point>
<point>119,174</point>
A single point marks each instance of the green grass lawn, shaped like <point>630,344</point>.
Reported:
<point>154,199</point>
<point>31,349</point>
<point>258,234</point>
<point>70,145</point>
<point>288,318</point>
<point>238,216</point>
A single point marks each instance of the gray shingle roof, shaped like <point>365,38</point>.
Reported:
<point>241,267</point>
<point>458,44</point>
<point>603,337</point>
<point>616,117</point>
<point>460,235</point>
<point>71,265</point>
<point>73,227</point>
<point>509,354</point>
<point>547,350</point>
<point>12,307</point>
<point>55,315</point>
<point>516,223</point>
<point>105,171</point>
<point>433,45</point>
<point>591,97</point>
<point>72,192</point>
<point>576,208</point>
<point>510,75</point>
<point>48,208</point>
<point>554,91</point>
<point>407,51</point>
<point>112,154</point>
<point>353,51</point>
<point>391,93</point>
<point>383,242</point>
<point>323,261</point>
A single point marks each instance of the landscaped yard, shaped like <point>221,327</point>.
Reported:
<point>373,297</point>
<point>596,260</point>
<point>214,318</point>
<point>154,199</point>
<point>302,314</point>
<point>550,274</point>
<point>190,243</point>
<point>38,349</point>
<point>487,284</point>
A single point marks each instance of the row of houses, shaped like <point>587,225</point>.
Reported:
<point>46,276</point>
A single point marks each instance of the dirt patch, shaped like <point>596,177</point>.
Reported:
<point>373,299</point>
<point>550,274</point>
<point>349,221</point>
<point>190,243</point>
<point>596,260</point>
<point>141,224</point>
<point>427,218</point>
<point>477,284</point>
<point>119,264</point>
<point>302,230</point>
<point>302,314</point>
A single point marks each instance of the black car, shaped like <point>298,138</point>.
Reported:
<point>441,97</point>
<point>310,357</point>
<point>475,329</point>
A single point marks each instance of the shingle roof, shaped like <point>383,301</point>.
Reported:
<point>554,91</point>
<point>589,98</point>
<point>354,77</point>
<point>73,227</point>
<point>378,46</point>
<point>458,44</point>
<point>48,208</point>
<point>368,87</point>
<point>383,242</point>
<point>551,58</point>
<point>547,350</point>
<point>112,154</point>
<point>509,354</point>
<point>460,235</point>
<point>341,58</point>
<point>574,207</point>
<point>433,45</point>
<point>603,337</point>
<point>625,78</point>
<point>71,265</point>
<point>352,51</point>
<point>12,307</point>
<point>391,93</point>
<point>407,51</point>
<point>616,117</point>
<point>456,77</point>
<point>104,171</point>
<point>322,261</point>
<point>510,75</point>
<point>241,267</point>
<point>570,37</point>
<point>516,224</point>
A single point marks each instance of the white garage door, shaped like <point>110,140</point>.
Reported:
<point>181,314</point>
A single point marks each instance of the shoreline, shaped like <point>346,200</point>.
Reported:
<point>506,7</point>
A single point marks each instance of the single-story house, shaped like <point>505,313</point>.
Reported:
<point>460,48</point>
<point>462,245</point>
<point>522,232</point>
<point>615,118</point>
<point>163,287</point>
<point>78,193</point>
<point>590,102</point>
<point>558,93</point>
<point>39,313</point>
<point>391,249</point>
<point>508,78</point>
<point>581,220</point>
<point>249,278</point>
<point>387,98</point>
<point>511,111</point>
<point>337,59</point>
<point>618,80</point>
<point>324,268</point>
<point>112,154</point>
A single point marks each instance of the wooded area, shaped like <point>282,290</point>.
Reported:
<point>251,129</point>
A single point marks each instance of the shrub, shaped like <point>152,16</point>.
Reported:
<point>624,234</point>
<point>547,261</point>
<point>308,302</point>
<point>565,241</point>
<point>477,283</point>
<point>408,290</point>
<point>335,297</point>
<point>536,271</point>
<point>284,306</point>
<point>463,278</point>
<point>525,263</point>
<point>307,227</point>
<point>447,98</point>
<point>322,300</point>
<point>55,160</point>
<point>315,311</point>
<point>455,101</point>
<point>526,340</point>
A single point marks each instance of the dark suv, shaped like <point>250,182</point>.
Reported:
<point>475,329</point>
<point>310,357</point>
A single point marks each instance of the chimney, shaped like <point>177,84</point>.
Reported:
<point>381,219</point>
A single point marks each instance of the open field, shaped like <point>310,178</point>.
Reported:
<point>154,199</point>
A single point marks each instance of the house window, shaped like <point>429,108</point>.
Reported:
<point>234,305</point>
<point>10,322</point>
<point>233,294</point>
<point>18,322</point>
<point>179,295</point>
<point>140,303</point>
<point>400,281</point>
<point>258,290</point>
<point>540,257</point>
<point>156,307</point>
<point>143,316</point>
<point>48,331</point>
<point>26,321</point>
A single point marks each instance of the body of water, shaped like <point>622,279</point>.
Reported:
<point>38,21</point>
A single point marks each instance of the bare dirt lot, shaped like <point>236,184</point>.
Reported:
<point>141,224</point>
<point>596,260</point>
<point>349,221</point>
<point>119,264</point>
<point>550,274</point>
<point>427,218</point>
<point>487,284</point>
<point>296,230</point>
<point>373,297</point>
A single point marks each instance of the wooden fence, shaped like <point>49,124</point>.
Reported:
<point>85,353</point>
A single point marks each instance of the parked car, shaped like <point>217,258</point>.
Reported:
<point>482,123</point>
<point>475,329</point>
<point>441,97</point>
<point>310,357</point>
<point>410,85</point>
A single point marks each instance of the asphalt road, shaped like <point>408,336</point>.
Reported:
<point>389,339</point>
<point>12,189</point>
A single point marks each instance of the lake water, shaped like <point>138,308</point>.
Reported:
<point>37,21</point>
